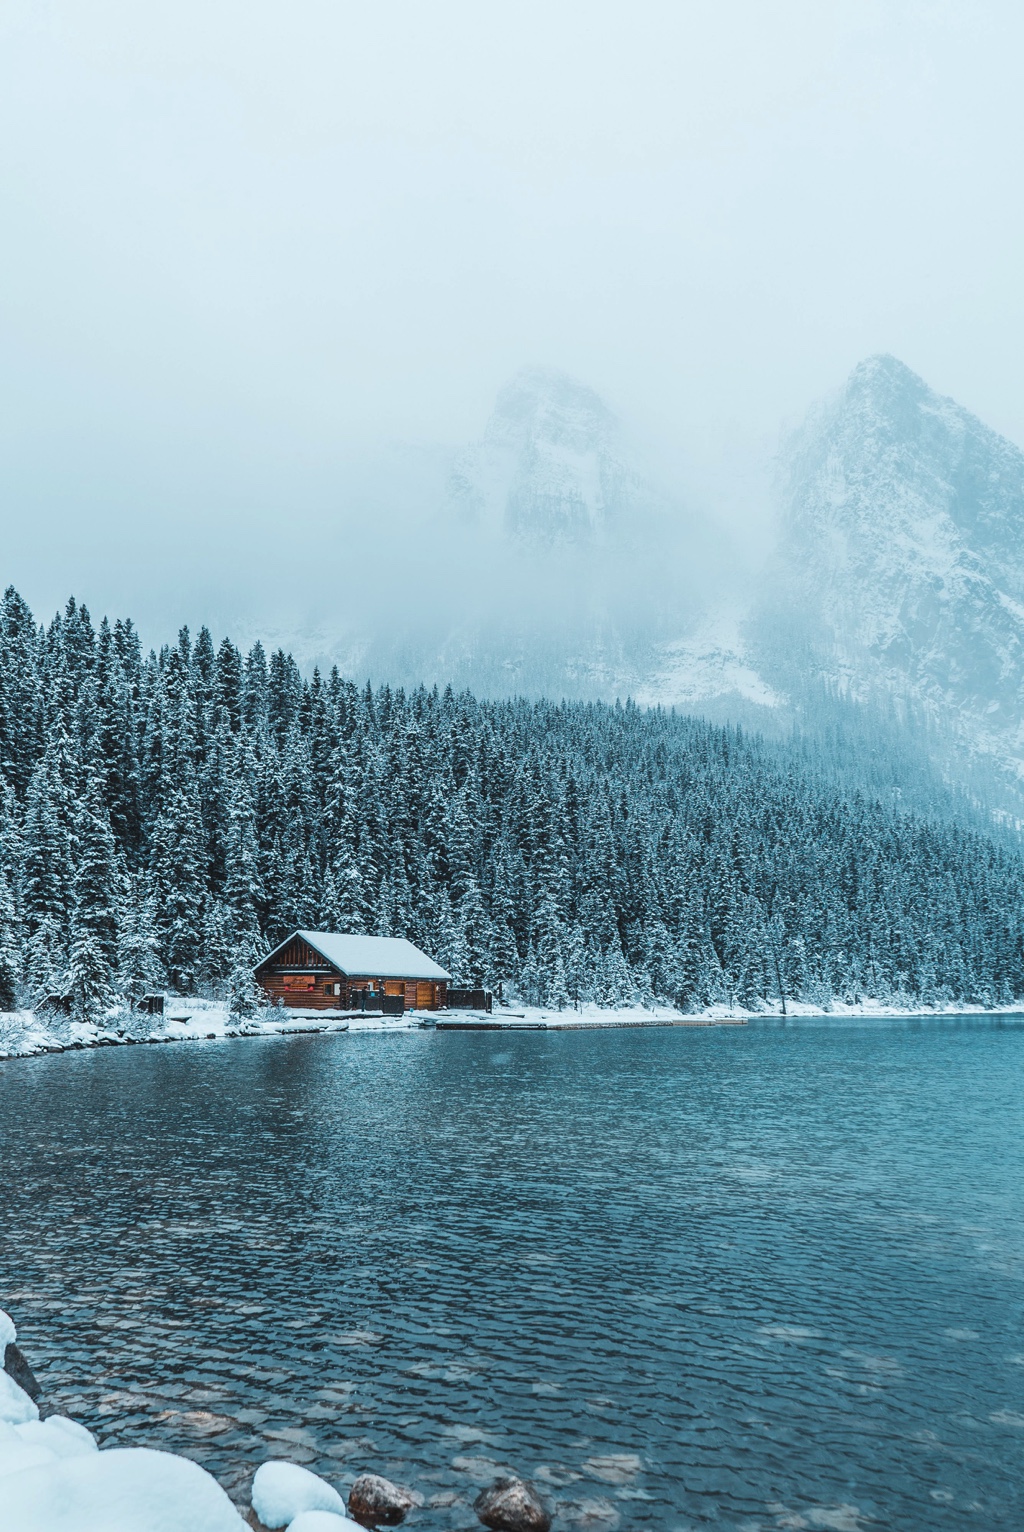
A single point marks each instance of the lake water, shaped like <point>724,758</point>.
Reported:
<point>749,1278</point>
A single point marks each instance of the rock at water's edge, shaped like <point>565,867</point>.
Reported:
<point>512,1505</point>
<point>376,1502</point>
<point>16,1367</point>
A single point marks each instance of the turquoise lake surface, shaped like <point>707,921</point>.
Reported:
<point>749,1278</point>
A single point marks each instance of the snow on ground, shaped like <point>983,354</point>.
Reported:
<point>122,1489</point>
<point>193,1019</point>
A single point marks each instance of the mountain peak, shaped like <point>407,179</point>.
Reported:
<point>885,386</point>
<point>902,546</point>
<point>886,369</point>
<point>542,404</point>
<point>551,468</point>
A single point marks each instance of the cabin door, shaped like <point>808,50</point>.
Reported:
<point>424,997</point>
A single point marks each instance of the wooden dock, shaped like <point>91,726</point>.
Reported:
<point>513,1023</point>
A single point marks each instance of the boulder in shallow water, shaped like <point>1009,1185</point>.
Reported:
<point>512,1505</point>
<point>282,1491</point>
<point>376,1502</point>
<point>16,1367</point>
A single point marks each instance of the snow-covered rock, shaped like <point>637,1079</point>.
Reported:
<point>15,1405</point>
<point>8,1332</point>
<point>16,1366</point>
<point>62,1437</point>
<point>282,1491</point>
<point>323,1521</point>
<point>124,1490</point>
<point>16,1453</point>
<point>35,1443</point>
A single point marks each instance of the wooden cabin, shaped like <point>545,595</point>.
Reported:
<point>324,971</point>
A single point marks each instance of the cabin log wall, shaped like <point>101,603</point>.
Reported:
<point>295,980</point>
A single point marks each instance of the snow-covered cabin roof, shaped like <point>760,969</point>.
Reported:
<point>375,957</point>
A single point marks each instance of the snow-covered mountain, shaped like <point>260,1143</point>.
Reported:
<point>901,563</point>
<point>896,590</point>
<point>558,562</point>
<point>554,469</point>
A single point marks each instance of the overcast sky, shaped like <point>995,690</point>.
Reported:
<point>245,239</point>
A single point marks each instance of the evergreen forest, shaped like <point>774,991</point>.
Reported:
<point>167,817</point>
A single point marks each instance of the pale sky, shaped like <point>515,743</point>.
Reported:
<point>244,241</point>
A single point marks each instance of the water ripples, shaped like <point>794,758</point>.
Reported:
<point>755,1279</point>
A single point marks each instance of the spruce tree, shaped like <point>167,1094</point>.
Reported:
<point>97,892</point>
<point>97,888</point>
<point>10,953</point>
<point>139,970</point>
<point>88,980</point>
<point>177,867</point>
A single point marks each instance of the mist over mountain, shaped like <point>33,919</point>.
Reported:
<point>550,557</point>
<point>554,470</point>
<point>555,563</point>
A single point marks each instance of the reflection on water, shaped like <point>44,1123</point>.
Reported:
<point>767,1277</point>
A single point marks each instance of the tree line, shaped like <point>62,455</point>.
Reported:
<point>165,818</point>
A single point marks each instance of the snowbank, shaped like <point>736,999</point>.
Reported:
<point>124,1489</point>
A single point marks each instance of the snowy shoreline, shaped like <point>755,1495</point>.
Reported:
<point>24,1034</point>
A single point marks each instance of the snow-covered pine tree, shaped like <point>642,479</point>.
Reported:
<point>348,902</point>
<point>217,950</point>
<point>10,952</point>
<point>88,979</point>
<point>97,889</point>
<point>139,970</point>
<point>477,934</point>
<point>47,837</point>
<point>243,891</point>
<point>244,995</point>
<point>177,870</point>
<point>621,844</point>
<point>20,714</point>
<point>97,892</point>
<point>550,958</point>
